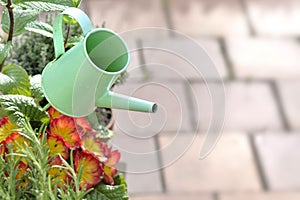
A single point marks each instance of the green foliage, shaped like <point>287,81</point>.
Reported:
<point>4,51</point>
<point>37,159</point>
<point>37,178</point>
<point>70,3</point>
<point>8,188</point>
<point>120,180</point>
<point>74,40</point>
<point>95,195</point>
<point>27,11</point>
<point>72,191</point>
<point>41,6</point>
<point>19,108</point>
<point>20,99</point>
<point>16,103</point>
<point>108,192</point>
<point>33,52</point>
<point>40,28</point>
<point>2,113</point>
<point>36,87</point>
<point>22,18</point>
<point>116,192</point>
<point>14,80</point>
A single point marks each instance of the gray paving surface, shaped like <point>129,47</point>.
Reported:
<point>255,47</point>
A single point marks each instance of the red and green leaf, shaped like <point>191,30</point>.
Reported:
<point>59,176</point>
<point>57,146</point>
<point>65,127</point>
<point>6,128</point>
<point>83,126</point>
<point>113,158</point>
<point>92,144</point>
<point>109,173</point>
<point>90,168</point>
<point>53,113</point>
<point>18,143</point>
<point>109,167</point>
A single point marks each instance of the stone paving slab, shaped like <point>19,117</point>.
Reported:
<point>133,154</point>
<point>250,106</point>
<point>174,197</point>
<point>124,15</point>
<point>172,63</point>
<point>261,196</point>
<point>216,17</point>
<point>265,57</point>
<point>280,158</point>
<point>290,99</point>
<point>230,167</point>
<point>275,17</point>
<point>173,110</point>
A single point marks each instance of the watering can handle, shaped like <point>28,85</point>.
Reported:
<point>58,38</point>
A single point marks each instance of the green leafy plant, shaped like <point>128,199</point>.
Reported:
<point>35,49</point>
<point>33,52</point>
<point>43,153</point>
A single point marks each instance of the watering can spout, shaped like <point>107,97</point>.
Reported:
<point>119,101</point>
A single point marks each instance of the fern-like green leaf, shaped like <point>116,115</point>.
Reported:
<point>108,192</point>
<point>59,2</point>
<point>95,195</point>
<point>18,108</point>
<point>36,87</point>
<point>14,80</point>
<point>40,28</point>
<point>116,192</point>
<point>42,6</point>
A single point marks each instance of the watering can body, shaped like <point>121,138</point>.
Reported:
<point>79,80</point>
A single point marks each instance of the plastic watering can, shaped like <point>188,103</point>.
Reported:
<point>80,79</point>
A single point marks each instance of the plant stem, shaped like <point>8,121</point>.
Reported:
<point>46,107</point>
<point>11,26</point>
<point>11,19</point>
<point>68,34</point>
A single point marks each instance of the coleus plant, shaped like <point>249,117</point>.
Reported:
<point>43,153</point>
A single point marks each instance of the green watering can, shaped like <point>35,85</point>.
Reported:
<point>80,79</point>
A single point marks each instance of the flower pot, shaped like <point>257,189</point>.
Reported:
<point>105,117</point>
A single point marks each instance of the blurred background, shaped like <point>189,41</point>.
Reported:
<point>255,47</point>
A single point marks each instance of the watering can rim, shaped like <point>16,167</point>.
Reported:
<point>92,63</point>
